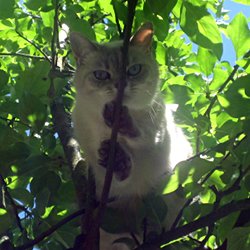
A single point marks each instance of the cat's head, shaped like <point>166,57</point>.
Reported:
<point>99,66</point>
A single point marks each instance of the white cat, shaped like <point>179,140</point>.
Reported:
<point>149,143</point>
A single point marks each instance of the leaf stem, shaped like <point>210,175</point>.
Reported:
<point>22,55</point>
<point>36,46</point>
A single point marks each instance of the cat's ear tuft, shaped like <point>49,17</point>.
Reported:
<point>143,36</point>
<point>81,46</point>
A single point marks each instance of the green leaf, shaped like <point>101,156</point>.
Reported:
<point>239,238</point>
<point>225,225</point>
<point>215,179</point>
<point>171,183</point>
<point>161,27</point>
<point>237,98</point>
<point>220,75</point>
<point>121,10</point>
<point>195,81</point>
<point>206,60</point>
<point>193,170</point>
<point>239,33</point>
<point>9,136</point>
<point>49,180</point>
<point>42,199</point>
<point>34,165</point>
<point>160,7</point>
<point>34,80</point>
<point>116,221</point>
<point>181,93</point>
<point>247,182</point>
<point>34,4</point>
<point>201,27</point>
<point>6,221</point>
<point>7,9</point>
<point>79,25</point>
<point>22,195</point>
<point>36,113</point>
<point>4,78</point>
<point>48,18</point>
<point>207,196</point>
<point>192,189</point>
<point>16,152</point>
<point>247,2</point>
<point>156,209</point>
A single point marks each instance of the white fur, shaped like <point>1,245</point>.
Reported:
<point>154,153</point>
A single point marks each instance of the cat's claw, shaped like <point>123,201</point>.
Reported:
<point>122,162</point>
<point>126,126</point>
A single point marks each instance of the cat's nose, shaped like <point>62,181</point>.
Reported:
<point>117,84</point>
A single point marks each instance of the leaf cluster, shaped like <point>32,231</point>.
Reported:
<point>213,97</point>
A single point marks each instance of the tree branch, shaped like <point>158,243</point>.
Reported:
<point>204,221</point>
<point>92,235</point>
<point>50,231</point>
<point>223,86</point>
<point>63,126</point>
<point>202,181</point>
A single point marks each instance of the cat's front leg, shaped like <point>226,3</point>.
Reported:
<point>126,125</point>
<point>122,161</point>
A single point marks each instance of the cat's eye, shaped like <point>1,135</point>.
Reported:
<point>134,70</point>
<point>101,75</point>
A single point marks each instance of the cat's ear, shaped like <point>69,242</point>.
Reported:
<point>143,36</point>
<point>81,46</point>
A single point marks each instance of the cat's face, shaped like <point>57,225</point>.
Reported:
<point>99,71</point>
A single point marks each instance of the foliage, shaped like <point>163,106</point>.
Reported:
<point>213,97</point>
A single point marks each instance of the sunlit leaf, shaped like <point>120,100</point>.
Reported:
<point>239,33</point>
<point>201,28</point>
<point>237,98</point>
<point>247,2</point>
<point>206,60</point>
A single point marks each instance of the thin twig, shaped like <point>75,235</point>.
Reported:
<point>36,46</point>
<point>137,242</point>
<point>100,19</point>
<point>189,201</point>
<point>54,40</point>
<point>51,230</point>
<point>91,237</point>
<point>13,120</point>
<point>12,202</point>
<point>223,86</point>
<point>219,196</point>
<point>22,55</point>
<point>117,22</point>
<point>204,221</point>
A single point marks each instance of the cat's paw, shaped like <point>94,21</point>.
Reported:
<point>126,126</point>
<point>122,162</point>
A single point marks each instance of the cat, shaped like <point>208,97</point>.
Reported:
<point>149,143</point>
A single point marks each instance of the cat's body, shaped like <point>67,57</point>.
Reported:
<point>150,150</point>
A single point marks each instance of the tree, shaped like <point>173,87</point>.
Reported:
<point>42,176</point>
